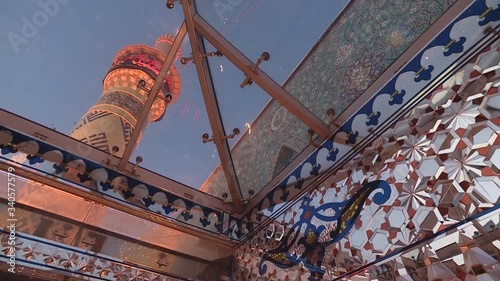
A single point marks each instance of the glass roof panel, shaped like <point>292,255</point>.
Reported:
<point>287,30</point>
<point>55,59</point>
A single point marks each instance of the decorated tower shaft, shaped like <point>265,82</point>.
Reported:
<point>126,88</point>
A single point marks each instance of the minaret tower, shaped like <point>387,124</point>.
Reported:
<point>125,90</point>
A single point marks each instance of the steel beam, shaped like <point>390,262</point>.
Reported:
<point>212,106</point>
<point>152,96</point>
<point>86,151</point>
<point>260,77</point>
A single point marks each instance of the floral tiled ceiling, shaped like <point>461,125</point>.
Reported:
<point>422,202</point>
<point>363,43</point>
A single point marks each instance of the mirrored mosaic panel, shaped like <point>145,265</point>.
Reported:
<point>466,253</point>
<point>434,170</point>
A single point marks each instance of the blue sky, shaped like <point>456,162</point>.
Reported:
<point>53,74</point>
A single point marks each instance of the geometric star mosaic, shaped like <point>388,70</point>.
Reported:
<point>442,219</point>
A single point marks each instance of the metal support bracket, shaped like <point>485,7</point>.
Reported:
<point>248,81</point>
